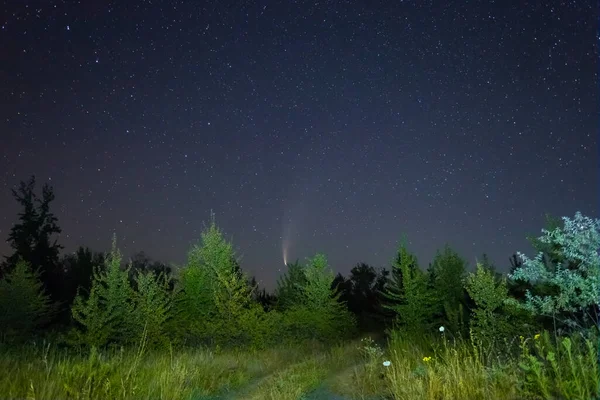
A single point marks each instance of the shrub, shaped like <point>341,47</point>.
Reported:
<point>572,275</point>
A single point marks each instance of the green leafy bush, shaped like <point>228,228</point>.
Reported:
<point>572,275</point>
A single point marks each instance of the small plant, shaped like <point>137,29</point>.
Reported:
<point>370,350</point>
<point>560,367</point>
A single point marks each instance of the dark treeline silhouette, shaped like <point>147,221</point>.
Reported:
<point>379,299</point>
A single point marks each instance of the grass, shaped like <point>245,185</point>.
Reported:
<point>535,368</point>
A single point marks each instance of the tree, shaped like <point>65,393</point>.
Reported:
<point>361,292</point>
<point>317,312</point>
<point>261,296</point>
<point>571,274</point>
<point>489,323</point>
<point>78,270</point>
<point>289,286</point>
<point>141,263</point>
<point>152,306</point>
<point>214,298</point>
<point>448,272</point>
<point>106,314</point>
<point>407,294</point>
<point>24,305</point>
<point>30,238</point>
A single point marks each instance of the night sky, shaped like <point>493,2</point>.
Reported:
<point>333,126</point>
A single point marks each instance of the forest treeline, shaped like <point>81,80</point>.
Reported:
<point>93,299</point>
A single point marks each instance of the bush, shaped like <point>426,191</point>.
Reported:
<point>573,275</point>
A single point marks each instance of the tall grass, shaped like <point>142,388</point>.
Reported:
<point>541,367</point>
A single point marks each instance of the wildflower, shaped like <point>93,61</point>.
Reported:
<point>442,329</point>
<point>387,363</point>
<point>521,338</point>
<point>426,359</point>
<point>537,336</point>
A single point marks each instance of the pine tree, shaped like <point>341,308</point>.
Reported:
<point>317,312</point>
<point>448,270</point>
<point>106,314</point>
<point>152,303</point>
<point>214,295</point>
<point>289,286</point>
<point>24,305</point>
<point>407,293</point>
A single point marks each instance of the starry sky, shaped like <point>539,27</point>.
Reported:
<point>333,126</point>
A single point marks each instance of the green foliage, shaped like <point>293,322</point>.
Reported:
<point>152,305</point>
<point>289,286</point>
<point>561,367</point>
<point>214,301</point>
<point>106,314</point>
<point>572,273</point>
<point>448,273</point>
<point>24,305</point>
<point>198,285</point>
<point>408,294</point>
<point>489,323</point>
<point>318,314</point>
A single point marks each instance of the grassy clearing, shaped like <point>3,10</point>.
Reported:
<point>536,368</point>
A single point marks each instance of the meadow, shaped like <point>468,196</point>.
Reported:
<point>429,368</point>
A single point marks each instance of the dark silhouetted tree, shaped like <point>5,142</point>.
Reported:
<point>31,237</point>
<point>361,291</point>
<point>78,271</point>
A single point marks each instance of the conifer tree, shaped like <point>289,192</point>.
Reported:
<point>449,271</point>
<point>213,296</point>
<point>152,303</point>
<point>24,305</point>
<point>317,313</point>
<point>407,293</point>
<point>106,314</point>
<point>289,286</point>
